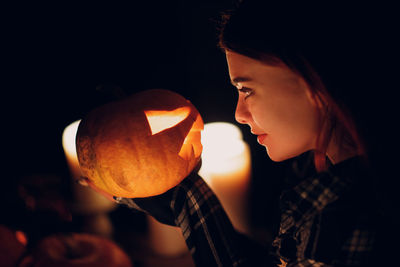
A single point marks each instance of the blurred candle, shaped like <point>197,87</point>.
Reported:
<point>226,167</point>
<point>68,142</point>
<point>166,240</point>
<point>85,200</point>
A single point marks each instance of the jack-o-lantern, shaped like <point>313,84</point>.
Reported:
<point>140,146</point>
<point>76,249</point>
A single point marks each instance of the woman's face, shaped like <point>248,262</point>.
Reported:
<point>277,105</point>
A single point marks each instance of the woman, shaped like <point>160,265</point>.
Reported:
<point>295,70</point>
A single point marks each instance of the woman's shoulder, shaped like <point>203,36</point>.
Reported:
<point>363,214</point>
<point>360,193</point>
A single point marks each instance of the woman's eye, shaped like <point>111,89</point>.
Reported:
<point>246,91</point>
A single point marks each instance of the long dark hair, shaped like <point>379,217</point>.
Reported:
<point>316,42</point>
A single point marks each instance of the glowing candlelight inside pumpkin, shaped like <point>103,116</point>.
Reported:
<point>226,168</point>
<point>160,120</point>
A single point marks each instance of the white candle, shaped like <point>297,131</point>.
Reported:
<point>68,142</point>
<point>85,200</point>
<point>166,240</point>
<point>226,167</point>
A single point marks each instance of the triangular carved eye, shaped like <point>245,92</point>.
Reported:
<point>192,143</point>
<point>160,120</point>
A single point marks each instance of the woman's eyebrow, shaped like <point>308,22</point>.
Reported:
<point>237,80</point>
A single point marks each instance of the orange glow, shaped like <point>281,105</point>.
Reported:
<point>282,264</point>
<point>21,237</point>
<point>160,120</point>
<point>192,142</point>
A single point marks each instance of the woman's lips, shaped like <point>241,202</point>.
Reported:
<point>261,138</point>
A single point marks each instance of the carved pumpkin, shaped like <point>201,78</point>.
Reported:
<point>77,249</point>
<point>140,146</point>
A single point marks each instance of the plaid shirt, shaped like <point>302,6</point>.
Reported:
<point>324,222</point>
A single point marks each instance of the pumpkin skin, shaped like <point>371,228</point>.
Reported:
<point>119,153</point>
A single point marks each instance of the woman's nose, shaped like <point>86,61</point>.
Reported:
<point>242,113</point>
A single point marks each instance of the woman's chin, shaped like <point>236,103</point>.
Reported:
<point>279,157</point>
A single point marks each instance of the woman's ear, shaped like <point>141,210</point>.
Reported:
<point>316,99</point>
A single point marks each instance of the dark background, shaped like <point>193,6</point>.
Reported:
<point>61,61</point>
<point>66,60</point>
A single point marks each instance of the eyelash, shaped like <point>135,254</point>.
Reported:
<point>246,91</point>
